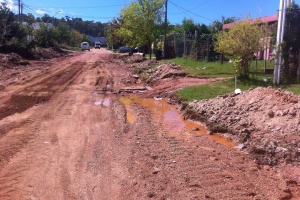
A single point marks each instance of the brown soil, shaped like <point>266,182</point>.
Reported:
<point>64,134</point>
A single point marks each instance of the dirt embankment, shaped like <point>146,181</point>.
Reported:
<point>264,121</point>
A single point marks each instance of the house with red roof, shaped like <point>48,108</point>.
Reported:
<point>266,54</point>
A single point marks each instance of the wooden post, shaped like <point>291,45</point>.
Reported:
<point>207,47</point>
<point>196,41</point>
<point>184,43</point>
<point>175,46</point>
<point>298,71</point>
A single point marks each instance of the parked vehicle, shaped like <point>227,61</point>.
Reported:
<point>85,46</point>
<point>97,45</point>
<point>125,49</point>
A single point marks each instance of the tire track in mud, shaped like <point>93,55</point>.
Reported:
<point>21,140</point>
<point>65,106</point>
<point>169,167</point>
<point>21,135</point>
<point>40,92</point>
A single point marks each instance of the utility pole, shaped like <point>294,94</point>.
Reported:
<point>22,12</point>
<point>19,6</point>
<point>280,32</point>
<point>166,24</point>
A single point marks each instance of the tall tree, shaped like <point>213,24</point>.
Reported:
<point>291,46</point>
<point>6,21</point>
<point>242,40</point>
<point>140,22</point>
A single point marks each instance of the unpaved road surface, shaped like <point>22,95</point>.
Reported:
<point>65,133</point>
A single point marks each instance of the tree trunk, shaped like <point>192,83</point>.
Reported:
<point>244,68</point>
<point>298,69</point>
<point>150,49</point>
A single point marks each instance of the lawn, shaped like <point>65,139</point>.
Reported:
<point>257,78</point>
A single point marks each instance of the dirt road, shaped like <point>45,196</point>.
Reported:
<point>67,132</point>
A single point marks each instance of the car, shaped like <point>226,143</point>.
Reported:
<point>125,49</point>
<point>85,46</point>
<point>97,45</point>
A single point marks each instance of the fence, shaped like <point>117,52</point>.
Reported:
<point>200,47</point>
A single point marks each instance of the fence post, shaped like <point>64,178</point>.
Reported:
<point>196,42</point>
<point>184,43</point>
<point>175,46</point>
<point>207,47</point>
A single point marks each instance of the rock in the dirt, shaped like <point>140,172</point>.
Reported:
<point>271,113</point>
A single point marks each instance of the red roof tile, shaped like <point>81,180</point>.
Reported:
<point>267,19</point>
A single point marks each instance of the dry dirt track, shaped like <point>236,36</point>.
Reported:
<point>64,134</point>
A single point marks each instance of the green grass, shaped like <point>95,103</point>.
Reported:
<point>204,69</point>
<point>215,89</point>
<point>74,48</point>
<point>257,78</point>
<point>293,88</point>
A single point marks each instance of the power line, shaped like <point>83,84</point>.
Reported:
<point>73,16</point>
<point>189,11</point>
<point>201,4</point>
<point>32,10</point>
<point>88,7</point>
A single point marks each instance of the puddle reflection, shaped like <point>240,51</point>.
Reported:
<point>172,120</point>
<point>129,111</point>
<point>102,102</point>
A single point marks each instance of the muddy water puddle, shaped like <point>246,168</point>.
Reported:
<point>173,122</point>
<point>99,100</point>
<point>102,102</point>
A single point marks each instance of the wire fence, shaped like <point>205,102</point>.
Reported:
<point>200,47</point>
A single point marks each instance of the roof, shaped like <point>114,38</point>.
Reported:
<point>266,19</point>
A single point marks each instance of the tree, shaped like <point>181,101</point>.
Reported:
<point>140,22</point>
<point>63,33</point>
<point>75,38</point>
<point>241,40</point>
<point>113,37</point>
<point>6,21</point>
<point>217,25</point>
<point>45,36</point>
<point>291,46</point>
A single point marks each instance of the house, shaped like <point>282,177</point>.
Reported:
<point>267,53</point>
<point>36,26</point>
<point>102,40</point>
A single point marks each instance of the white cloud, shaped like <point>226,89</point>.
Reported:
<point>10,4</point>
<point>41,12</point>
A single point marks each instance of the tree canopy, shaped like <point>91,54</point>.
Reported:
<point>139,22</point>
<point>241,41</point>
<point>6,23</point>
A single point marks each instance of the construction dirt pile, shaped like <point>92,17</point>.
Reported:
<point>166,70</point>
<point>265,122</point>
<point>10,60</point>
<point>48,53</point>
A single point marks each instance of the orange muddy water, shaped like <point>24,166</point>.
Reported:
<point>172,119</point>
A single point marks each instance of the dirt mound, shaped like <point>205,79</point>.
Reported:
<point>48,53</point>
<point>130,59</point>
<point>165,71</point>
<point>11,60</point>
<point>264,121</point>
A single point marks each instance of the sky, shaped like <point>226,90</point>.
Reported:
<point>200,11</point>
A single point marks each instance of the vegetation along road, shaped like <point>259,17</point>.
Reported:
<point>73,128</point>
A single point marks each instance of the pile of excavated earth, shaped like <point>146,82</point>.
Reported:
<point>265,122</point>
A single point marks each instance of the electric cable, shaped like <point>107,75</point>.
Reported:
<point>190,11</point>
